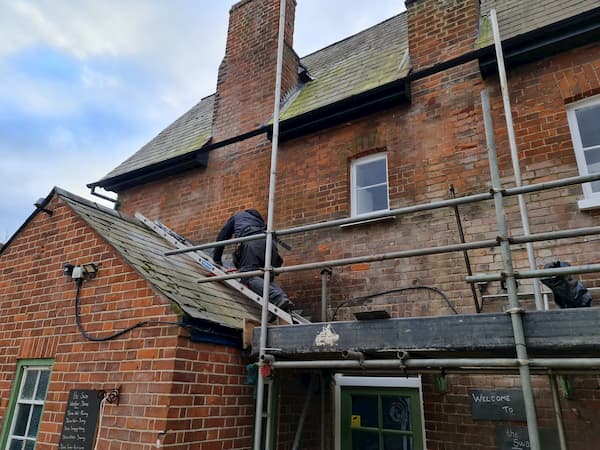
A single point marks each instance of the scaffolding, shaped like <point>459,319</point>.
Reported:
<point>523,364</point>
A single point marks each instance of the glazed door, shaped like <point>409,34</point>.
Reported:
<point>380,419</point>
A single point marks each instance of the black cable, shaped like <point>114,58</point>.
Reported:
<point>119,333</point>
<point>410,288</point>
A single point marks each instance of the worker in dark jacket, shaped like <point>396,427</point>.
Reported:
<point>250,255</point>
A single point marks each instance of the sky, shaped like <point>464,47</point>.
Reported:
<point>85,83</point>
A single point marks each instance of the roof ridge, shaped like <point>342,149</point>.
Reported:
<point>353,35</point>
<point>89,203</point>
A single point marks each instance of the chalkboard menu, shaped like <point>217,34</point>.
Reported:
<point>516,438</point>
<point>506,404</point>
<point>81,419</point>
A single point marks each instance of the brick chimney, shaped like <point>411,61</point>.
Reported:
<point>439,30</point>
<point>246,82</point>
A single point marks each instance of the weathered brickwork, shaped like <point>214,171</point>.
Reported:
<point>441,30</point>
<point>244,101</point>
<point>449,417</point>
<point>190,395</point>
<point>157,370</point>
<point>436,141</point>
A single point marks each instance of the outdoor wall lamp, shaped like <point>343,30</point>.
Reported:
<point>84,271</point>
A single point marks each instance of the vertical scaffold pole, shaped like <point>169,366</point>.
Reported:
<point>515,310</point>
<point>514,153</point>
<point>260,388</point>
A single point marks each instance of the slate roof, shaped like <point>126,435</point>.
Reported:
<point>367,60</point>
<point>517,17</point>
<point>188,133</point>
<point>175,277</point>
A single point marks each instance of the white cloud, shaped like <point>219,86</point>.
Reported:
<point>134,67</point>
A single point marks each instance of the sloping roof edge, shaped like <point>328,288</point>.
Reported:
<point>26,222</point>
<point>195,158</point>
<point>542,42</point>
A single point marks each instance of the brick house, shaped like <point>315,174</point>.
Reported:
<point>371,125</point>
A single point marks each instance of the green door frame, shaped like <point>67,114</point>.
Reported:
<point>346,386</point>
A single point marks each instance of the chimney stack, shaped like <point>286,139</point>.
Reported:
<point>246,81</point>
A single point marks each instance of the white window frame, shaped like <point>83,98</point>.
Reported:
<point>341,380</point>
<point>590,199</point>
<point>17,401</point>
<point>353,188</point>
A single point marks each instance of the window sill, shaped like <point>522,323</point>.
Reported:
<point>588,203</point>
<point>368,221</point>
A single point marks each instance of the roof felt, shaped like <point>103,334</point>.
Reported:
<point>362,62</point>
<point>175,277</point>
<point>517,17</point>
<point>188,133</point>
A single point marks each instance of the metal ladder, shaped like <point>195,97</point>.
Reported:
<point>210,268</point>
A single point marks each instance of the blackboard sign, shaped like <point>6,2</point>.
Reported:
<point>516,438</point>
<point>81,419</point>
<point>504,404</point>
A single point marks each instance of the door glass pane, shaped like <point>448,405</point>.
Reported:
<point>22,418</point>
<point>34,424</point>
<point>42,385</point>
<point>15,444</point>
<point>29,384</point>
<point>371,173</point>
<point>588,120</point>
<point>397,442</point>
<point>396,413</point>
<point>363,440</point>
<point>365,411</point>
<point>372,199</point>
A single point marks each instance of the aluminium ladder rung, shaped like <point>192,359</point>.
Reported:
<point>207,264</point>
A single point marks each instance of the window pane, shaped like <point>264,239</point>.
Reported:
<point>371,173</point>
<point>35,421</point>
<point>22,419</point>
<point>366,407</point>
<point>29,445</point>
<point>592,160</point>
<point>396,413</point>
<point>397,442</point>
<point>29,384</point>
<point>588,120</point>
<point>363,440</point>
<point>42,385</point>
<point>15,444</point>
<point>372,199</point>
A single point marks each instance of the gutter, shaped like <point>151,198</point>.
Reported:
<point>382,97</point>
<point>573,32</point>
<point>560,36</point>
<point>195,158</point>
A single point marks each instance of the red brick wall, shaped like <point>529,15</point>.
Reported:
<point>439,30</point>
<point>156,369</point>
<point>436,141</point>
<point>246,82</point>
<point>448,416</point>
<point>449,424</point>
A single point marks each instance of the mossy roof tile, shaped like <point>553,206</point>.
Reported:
<point>362,62</point>
<point>175,277</point>
<point>517,17</point>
